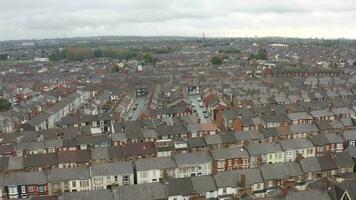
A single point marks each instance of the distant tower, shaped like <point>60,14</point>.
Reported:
<point>203,36</point>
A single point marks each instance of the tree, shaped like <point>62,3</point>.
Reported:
<point>354,64</point>
<point>148,58</point>
<point>5,105</point>
<point>261,54</point>
<point>3,56</point>
<point>116,68</point>
<point>231,50</point>
<point>216,60</point>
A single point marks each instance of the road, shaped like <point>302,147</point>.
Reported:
<point>139,108</point>
<point>195,99</point>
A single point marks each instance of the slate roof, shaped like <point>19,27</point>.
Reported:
<point>313,194</point>
<point>115,168</point>
<point>281,170</point>
<point>349,135</point>
<point>303,128</point>
<point>41,160</point>
<point>229,153</point>
<point>329,138</point>
<point>343,159</point>
<point>253,176</point>
<point>89,195</point>
<point>256,149</point>
<point>26,178</point>
<point>116,153</point>
<point>321,113</point>
<point>197,142</point>
<point>65,174</point>
<point>100,153</point>
<point>171,130</point>
<point>227,179</point>
<point>16,163</point>
<point>140,148</point>
<point>155,163</point>
<point>149,191</point>
<point>213,139</point>
<point>338,190</point>
<point>310,165</point>
<point>4,163</point>
<point>194,158</point>
<point>249,135</point>
<point>299,115</point>
<point>180,186</point>
<point>77,156</point>
<point>299,143</point>
<point>326,163</point>
<point>203,184</point>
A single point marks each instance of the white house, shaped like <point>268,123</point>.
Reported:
<point>193,164</point>
<point>150,170</point>
<point>68,180</point>
<point>106,175</point>
<point>227,184</point>
<point>294,147</point>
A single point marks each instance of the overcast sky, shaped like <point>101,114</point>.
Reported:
<point>33,19</point>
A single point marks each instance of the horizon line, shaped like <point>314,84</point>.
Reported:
<point>180,36</point>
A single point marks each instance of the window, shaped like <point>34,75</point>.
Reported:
<point>321,148</point>
<point>51,150</point>
<point>143,174</point>
<point>339,146</point>
<point>279,155</point>
<point>115,178</point>
<point>84,184</point>
<point>125,179</point>
<point>41,188</point>
<point>98,181</point>
<point>108,179</point>
<point>258,186</point>
<point>12,190</point>
<point>66,184</point>
<point>327,148</point>
<point>74,184</point>
<point>23,189</point>
<point>309,151</point>
<point>352,143</point>
<point>270,156</point>
<point>289,154</point>
<point>270,183</point>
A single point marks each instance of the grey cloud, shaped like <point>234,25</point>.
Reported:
<point>45,18</point>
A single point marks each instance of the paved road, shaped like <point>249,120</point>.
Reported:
<point>140,102</point>
<point>194,99</point>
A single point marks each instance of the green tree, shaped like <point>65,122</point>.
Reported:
<point>216,60</point>
<point>3,56</point>
<point>116,68</point>
<point>354,64</point>
<point>231,50</point>
<point>148,58</point>
<point>5,105</point>
<point>261,54</point>
<point>98,53</point>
